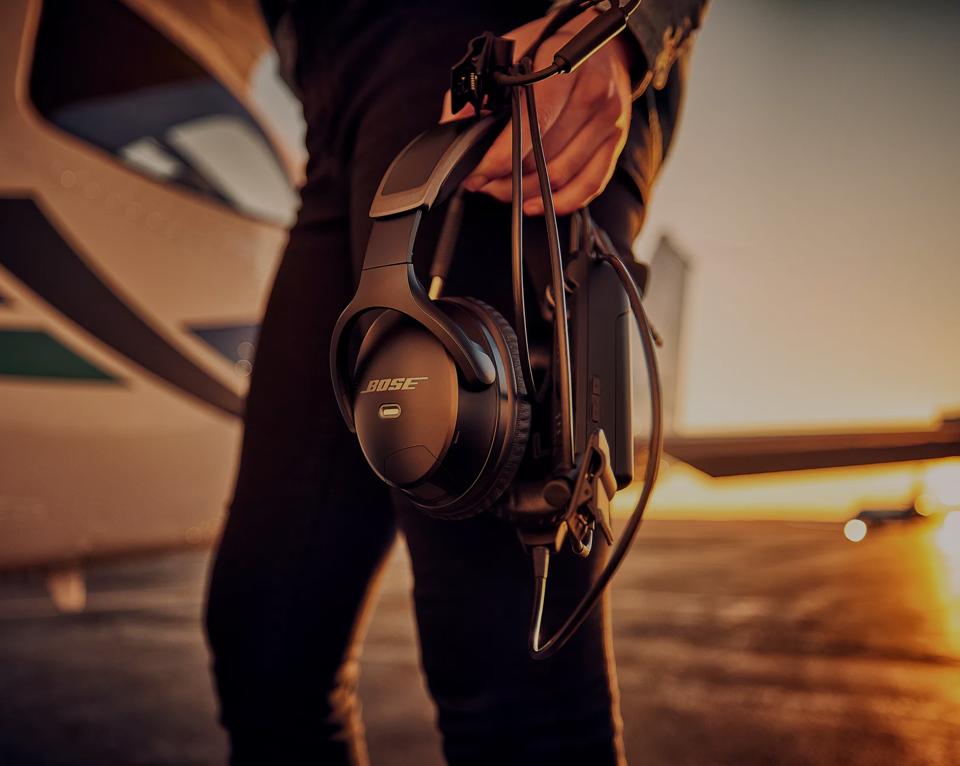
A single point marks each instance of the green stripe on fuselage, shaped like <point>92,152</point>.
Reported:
<point>36,354</point>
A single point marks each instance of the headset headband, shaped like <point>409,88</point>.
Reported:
<point>422,175</point>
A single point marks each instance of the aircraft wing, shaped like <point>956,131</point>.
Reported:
<point>749,454</point>
<point>737,454</point>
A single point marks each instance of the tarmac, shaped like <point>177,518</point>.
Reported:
<point>737,643</point>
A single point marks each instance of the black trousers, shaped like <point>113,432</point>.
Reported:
<point>309,525</point>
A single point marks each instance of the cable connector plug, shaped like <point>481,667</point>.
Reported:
<point>472,78</point>
<point>592,37</point>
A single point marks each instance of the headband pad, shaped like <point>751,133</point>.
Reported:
<point>433,165</point>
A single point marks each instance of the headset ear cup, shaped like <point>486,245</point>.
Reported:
<point>521,425</point>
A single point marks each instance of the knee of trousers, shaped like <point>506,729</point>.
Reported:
<point>272,670</point>
<point>281,641</point>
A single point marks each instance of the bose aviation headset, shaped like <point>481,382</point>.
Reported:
<point>440,391</point>
<point>436,396</point>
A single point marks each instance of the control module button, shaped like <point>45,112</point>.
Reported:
<point>389,411</point>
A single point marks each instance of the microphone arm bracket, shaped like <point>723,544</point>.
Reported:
<point>593,489</point>
<point>584,492</point>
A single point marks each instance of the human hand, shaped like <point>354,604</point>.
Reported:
<point>584,117</point>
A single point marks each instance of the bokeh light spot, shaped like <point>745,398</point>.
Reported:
<point>855,530</point>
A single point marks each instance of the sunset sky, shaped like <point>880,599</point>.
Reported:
<point>815,187</point>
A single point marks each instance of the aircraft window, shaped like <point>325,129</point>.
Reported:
<point>148,156</point>
<point>211,144</point>
<point>135,94</point>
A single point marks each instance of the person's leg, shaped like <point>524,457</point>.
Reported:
<point>309,523</point>
<point>473,591</point>
<point>307,528</point>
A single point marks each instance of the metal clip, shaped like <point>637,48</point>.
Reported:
<point>594,487</point>
<point>471,78</point>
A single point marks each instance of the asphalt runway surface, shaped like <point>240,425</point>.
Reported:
<point>737,643</point>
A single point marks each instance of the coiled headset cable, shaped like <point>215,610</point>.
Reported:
<point>541,553</point>
<point>604,251</point>
<point>563,377</point>
<point>483,78</point>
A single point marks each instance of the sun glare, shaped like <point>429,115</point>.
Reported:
<point>948,536</point>
<point>943,483</point>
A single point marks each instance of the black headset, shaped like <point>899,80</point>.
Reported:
<point>439,391</point>
<point>436,396</point>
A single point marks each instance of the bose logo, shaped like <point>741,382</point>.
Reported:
<point>392,384</point>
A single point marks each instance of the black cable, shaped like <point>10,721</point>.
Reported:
<point>559,19</point>
<point>541,554</point>
<point>579,48</point>
<point>558,282</point>
<point>516,241</point>
<point>526,79</point>
<point>584,44</point>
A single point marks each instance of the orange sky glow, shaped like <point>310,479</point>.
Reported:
<point>814,188</point>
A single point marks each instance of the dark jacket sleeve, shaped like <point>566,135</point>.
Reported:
<point>663,30</point>
<point>656,114</point>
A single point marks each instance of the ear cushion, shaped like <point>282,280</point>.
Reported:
<point>521,426</point>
